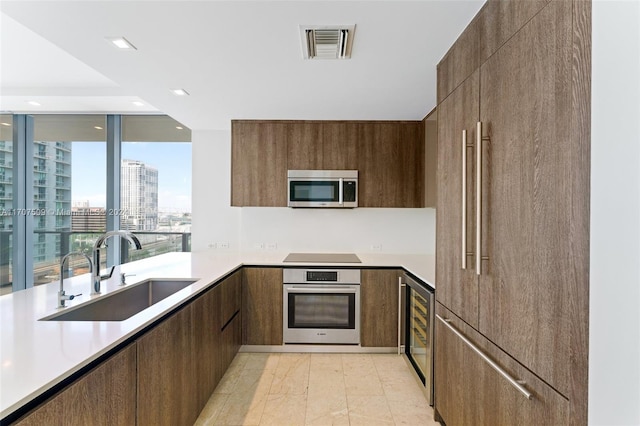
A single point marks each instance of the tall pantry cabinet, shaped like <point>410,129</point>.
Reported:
<point>513,213</point>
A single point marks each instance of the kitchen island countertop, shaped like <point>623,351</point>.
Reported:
<point>36,355</point>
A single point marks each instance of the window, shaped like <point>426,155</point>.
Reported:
<point>155,194</point>
<point>6,202</point>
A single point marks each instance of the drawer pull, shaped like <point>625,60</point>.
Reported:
<point>514,382</point>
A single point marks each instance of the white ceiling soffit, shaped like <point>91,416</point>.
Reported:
<point>238,59</point>
<point>33,69</point>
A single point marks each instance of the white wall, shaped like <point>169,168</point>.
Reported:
<point>214,221</point>
<point>614,329</point>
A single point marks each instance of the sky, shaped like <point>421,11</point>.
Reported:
<point>173,161</point>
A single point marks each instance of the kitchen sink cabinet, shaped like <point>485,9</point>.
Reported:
<point>105,395</point>
<point>379,307</point>
<point>167,373</point>
<point>262,306</point>
<point>516,202</point>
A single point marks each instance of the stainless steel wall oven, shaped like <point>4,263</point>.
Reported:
<point>321,306</point>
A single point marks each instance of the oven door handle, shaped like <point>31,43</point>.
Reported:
<point>306,289</point>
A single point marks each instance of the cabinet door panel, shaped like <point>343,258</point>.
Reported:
<point>262,306</point>
<point>231,294</point>
<point>166,373</point>
<point>379,308</point>
<point>340,145</point>
<point>207,341</point>
<point>457,287</point>
<point>528,201</point>
<point>106,395</point>
<point>391,164</point>
<point>304,145</point>
<point>470,392</point>
<point>258,163</point>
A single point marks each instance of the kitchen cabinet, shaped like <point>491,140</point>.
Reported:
<point>517,214</point>
<point>430,130</point>
<point>262,306</point>
<point>181,360</point>
<point>379,307</point>
<point>389,156</point>
<point>489,399</point>
<point>105,395</point>
<point>258,163</point>
<point>391,164</point>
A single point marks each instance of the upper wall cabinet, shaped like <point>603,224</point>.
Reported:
<point>258,163</point>
<point>389,156</point>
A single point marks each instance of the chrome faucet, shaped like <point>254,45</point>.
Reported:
<point>95,275</point>
<point>62,297</point>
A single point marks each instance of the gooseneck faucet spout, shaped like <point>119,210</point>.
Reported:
<point>62,297</point>
<point>95,275</point>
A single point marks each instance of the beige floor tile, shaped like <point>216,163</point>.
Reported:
<point>369,410</point>
<point>325,408</point>
<point>318,389</point>
<point>212,409</point>
<point>262,361</point>
<point>291,376</point>
<point>284,410</point>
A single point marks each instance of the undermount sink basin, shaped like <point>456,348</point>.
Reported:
<point>125,303</point>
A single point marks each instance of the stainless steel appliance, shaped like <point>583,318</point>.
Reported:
<point>415,328</point>
<point>321,306</point>
<point>322,258</point>
<point>322,188</point>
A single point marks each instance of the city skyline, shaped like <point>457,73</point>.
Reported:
<point>174,182</point>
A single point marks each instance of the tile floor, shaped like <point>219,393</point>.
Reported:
<point>317,389</point>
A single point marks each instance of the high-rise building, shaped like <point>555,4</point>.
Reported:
<point>138,196</point>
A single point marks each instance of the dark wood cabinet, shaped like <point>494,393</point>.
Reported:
<point>488,398</point>
<point>390,164</point>
<point>379,307</point>
<point>525,194</point>
<point>389,156</point>
<point>262,306</point>
<point>106,395</point>
<point>166,372</point>
<point>258,163</point>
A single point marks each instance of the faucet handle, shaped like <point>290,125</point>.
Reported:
<point>107,276</point>
<point>123,277</point>
<point>73,296</point>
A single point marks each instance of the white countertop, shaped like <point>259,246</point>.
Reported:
<point>36,355</point>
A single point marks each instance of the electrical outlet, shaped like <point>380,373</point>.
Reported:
<point>223,245</point>
<point>212,245</point>
<point>376,247</point>
<point>272,246</point>
<point>258,246</point>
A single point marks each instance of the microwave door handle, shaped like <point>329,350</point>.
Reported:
<point>340,191</point>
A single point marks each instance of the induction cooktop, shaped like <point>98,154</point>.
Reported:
<point>322,258</point>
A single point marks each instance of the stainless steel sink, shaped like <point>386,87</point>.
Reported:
<point>125,303</point>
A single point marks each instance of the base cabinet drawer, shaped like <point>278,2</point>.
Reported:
<point>470,389</point>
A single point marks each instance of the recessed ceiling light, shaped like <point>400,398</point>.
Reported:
<point>121,43</point>
<point>180,92</point>
<point>97,127</point>
<point>179,127</point>
<point>138,103</point>
<point>6,124</point>
<point>34,103</point>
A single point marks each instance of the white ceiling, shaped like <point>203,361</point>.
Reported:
<point>237,59</point>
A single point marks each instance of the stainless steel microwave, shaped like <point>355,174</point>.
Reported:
<point>322,188</point>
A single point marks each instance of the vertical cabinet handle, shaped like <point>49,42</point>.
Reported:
<point>512,381</point>
<point>464,199</point>
<point>400,285</point>
<point>478,197</point>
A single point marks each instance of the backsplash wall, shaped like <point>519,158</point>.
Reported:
<point>285,229</point>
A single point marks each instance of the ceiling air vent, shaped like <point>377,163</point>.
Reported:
<point>327,42</point>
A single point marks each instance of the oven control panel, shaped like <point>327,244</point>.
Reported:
<point>317,275</point>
